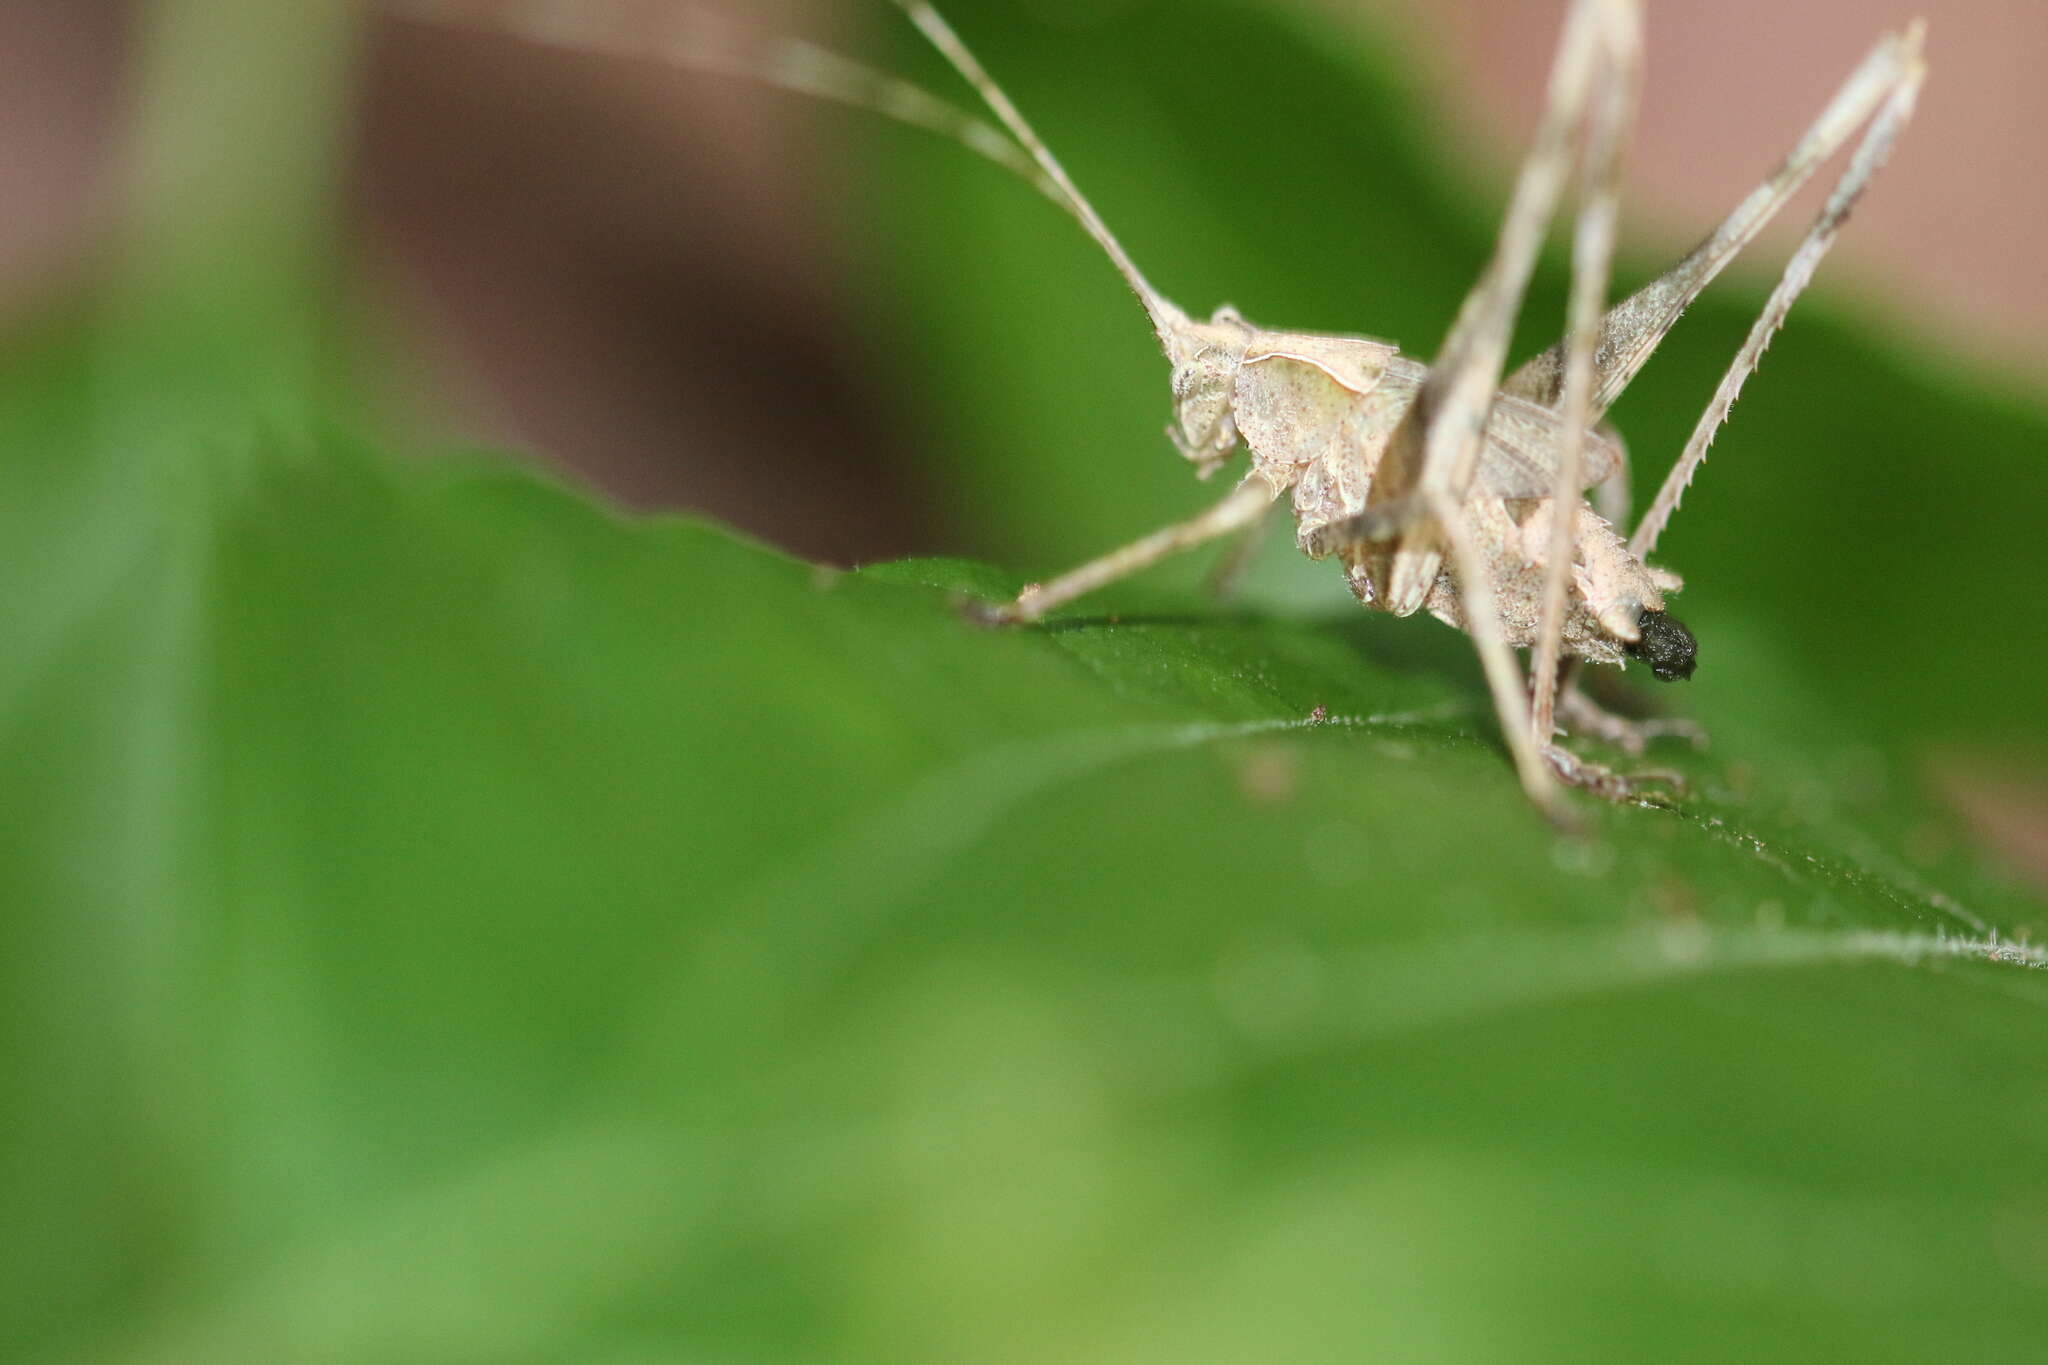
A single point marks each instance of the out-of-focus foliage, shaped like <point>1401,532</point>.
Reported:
<point>449,922</point>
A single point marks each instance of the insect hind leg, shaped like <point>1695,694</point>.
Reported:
<point>1895,70</point>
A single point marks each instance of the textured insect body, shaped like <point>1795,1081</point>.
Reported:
<point>1316,412</point>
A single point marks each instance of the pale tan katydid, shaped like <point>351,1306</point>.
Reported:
<point>1443,487</point>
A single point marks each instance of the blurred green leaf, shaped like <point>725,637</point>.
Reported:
<point>580,937</point>
<point>453,923</point>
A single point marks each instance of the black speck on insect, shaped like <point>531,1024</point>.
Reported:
<point>1666,646</point>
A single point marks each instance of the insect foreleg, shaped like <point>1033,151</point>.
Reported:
<point>1245,506</point>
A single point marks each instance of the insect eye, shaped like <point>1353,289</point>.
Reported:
<point>1666,646</point>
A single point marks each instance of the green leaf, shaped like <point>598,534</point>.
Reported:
<point>451,922</point>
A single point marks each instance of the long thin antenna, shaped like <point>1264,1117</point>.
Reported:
<point>1165,316</point>
<point>701,43</point>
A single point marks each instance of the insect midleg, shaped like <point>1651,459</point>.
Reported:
<point>1864,163</point>
<point>1496,659</point>
<point>1245,506</point>
<point>1610,113</point>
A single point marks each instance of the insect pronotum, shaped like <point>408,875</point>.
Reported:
<point>1442,486</point>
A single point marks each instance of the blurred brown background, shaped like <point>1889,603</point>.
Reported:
<point>562,296</point>
<point>1951,241</point>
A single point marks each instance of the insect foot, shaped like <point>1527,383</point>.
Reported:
<point>1578,714</point>
<point>1605,782</point>
<point>1021,610</point>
